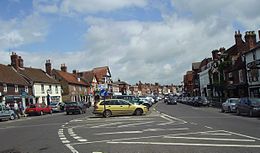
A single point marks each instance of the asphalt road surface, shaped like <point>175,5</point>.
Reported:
<point>166,129</point>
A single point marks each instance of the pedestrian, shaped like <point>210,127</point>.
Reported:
<point>7,106</point>
<point>21,108</point>
<point>16,109</point>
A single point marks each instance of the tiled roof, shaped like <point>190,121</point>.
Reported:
<point>10,76</point>
<point>121,83</point>
<point>87,76</point>
<point>37,75</point>
<point>100,72</point>
<point>70,78</point>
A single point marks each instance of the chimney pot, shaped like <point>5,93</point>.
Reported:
<point>250,39</point>
<point>48,68</point>
<point>14,60</point>
<point>63,68</point>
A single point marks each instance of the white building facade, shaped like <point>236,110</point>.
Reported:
<point>252,60</point>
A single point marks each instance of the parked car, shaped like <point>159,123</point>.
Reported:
<point>6,113</point>
<point>145,101</point>
<point>38,109</point>
<point>118,107</point>
<point>75,107</point>
<point>200,101</point>
<point>56,106</point>
<point>172,100</point>
<point>249,106</point>
<point>230,105</point>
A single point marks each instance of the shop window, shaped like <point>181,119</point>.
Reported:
<point>16,88</point>
<point>5,87</point>
<point>26,89</point>
<point>50,89</point>
<point>42,88</point>
<point>56,89</point>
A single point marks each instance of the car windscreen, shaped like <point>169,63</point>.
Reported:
<point>32,106</point>
<point>71,104</point>
<point>234,101</point>
<point>53,104</point>
<point>255,101</point>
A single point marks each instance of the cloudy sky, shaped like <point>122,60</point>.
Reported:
<point>147,40</point>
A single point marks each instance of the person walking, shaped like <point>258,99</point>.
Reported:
<point>16,110</point>
<point>21,109</point>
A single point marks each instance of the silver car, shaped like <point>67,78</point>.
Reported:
<point>6,113</point>
<point>230,105</point>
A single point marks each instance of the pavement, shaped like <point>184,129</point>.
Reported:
<point>166,129</point>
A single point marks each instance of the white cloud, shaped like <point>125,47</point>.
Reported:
<point>159,51</point>
<point>90,6</point>
<point>16,32</point>
<point>153,51</point>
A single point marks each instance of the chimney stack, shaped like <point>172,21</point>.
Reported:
<point>215,54</point>
<point>74,72</point>
<point>259,34</point>
<point>238,38</point>
<point>20,62</point>
<point>48,68</point>
<point>14,60</point>
<point>63,68</point>
<point>250,39</point>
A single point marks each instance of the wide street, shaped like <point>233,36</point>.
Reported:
<point>166,129</point>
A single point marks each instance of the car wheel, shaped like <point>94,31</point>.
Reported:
<point>12,117</point>
<point>238,112</point>
<point>251,114</point>
<point>41,113</point>
<point>222,110</point>
<point>138,112</point>
<point>107,113</point>
<point>67,113</point>
<point>229,110</point>
<point>51,111</point>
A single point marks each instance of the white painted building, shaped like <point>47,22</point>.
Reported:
<point>45,88</point>
<point>204,77</point>
<point>42,90</point>
<point>252,59</point>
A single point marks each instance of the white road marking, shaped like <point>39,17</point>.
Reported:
<point>93,119</point>
<point>65,141</point>
<point>72,149</point>
<point>63,138</point>
<point>215,139</point>
<point>123,132</point>
<point>104,125</point>
<point>61,135</point>
<point>77,137</point>
<point>208,127</point>
<point>76,120</point>
<point>172,129</point>
<point>218,134</point>
<point>174,118</point>
<point>73,135</point>
<point>82,140</point>
<point>134,124</point>
<point>242,135</point>
<point>188,144</point>
<point>193,123</point>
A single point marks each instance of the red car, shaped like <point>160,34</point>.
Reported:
<point>38,109</point>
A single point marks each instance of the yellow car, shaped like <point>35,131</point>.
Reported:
<point>118,107</point>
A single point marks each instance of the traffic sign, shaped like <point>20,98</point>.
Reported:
<point>103,92</point>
